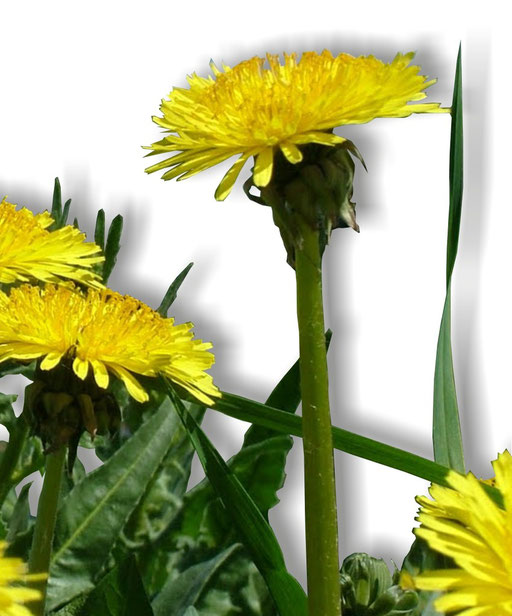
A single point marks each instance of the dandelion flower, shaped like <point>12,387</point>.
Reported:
<point>13,597</point>
<point>251,110</point>
<point>101,332</point>
<point>464,523</point>
<point>29,251</point>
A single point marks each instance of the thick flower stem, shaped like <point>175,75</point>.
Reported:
<point>11,455</point>
<point>320,489</point>
<point>45,522</point>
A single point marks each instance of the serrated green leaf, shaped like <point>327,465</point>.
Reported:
<point>252,527</point>
<point>172,291</point>
<point>93,514</point>
<point>185,590</point>
<point>120,593</point>
<point>203,526</point>
<point>112,246</point>
<point>163,497</point>
<point>446,433</point>
<point>237,589</point>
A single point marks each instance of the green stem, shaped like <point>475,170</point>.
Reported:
<point>11,456</point>
<point>320,488</point>
<point>45,522</point>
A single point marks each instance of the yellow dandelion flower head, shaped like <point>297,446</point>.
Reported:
<point>13,572</point>
<point>257,110</point>
<point>102,332</point>
<point>29,251</point>
<point>463,522</point>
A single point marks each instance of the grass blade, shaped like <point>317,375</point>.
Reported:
<point>349,442</point>
<point>446,433</point>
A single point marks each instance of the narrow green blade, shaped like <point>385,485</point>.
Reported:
<point>446,433</point>
<point>56,204</point>
<point>254,530</point>
<point>349,442</point>
<point>99,229</point>
<point>65,212</point>
<point>172,291</point>
<point>112,246</point>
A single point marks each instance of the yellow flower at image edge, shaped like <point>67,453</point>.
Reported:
<point>250,110</point>
<point>464,523</point>
<point>102,332</point>
<point>29,251</point>
<point>12,597</point>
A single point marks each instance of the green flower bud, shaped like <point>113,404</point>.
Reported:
<point>368,589</point>
<point>394,601</point>
<point>316,192</point>
<point>59,407</point>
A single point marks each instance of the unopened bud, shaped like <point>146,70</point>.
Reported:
<point>316,192</point>
<point>368,589</point>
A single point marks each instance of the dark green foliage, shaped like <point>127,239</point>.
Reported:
<point>251,526</point>
<point>120,593</point>
<point>94,513</point>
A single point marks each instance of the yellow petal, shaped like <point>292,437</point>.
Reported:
<point>291,152</point>
<point>133,386</point>
<point>51,360</point>
<point>227,182</point>
<point>263,167</point>
<point>80,368</point>
<point>100,373</point>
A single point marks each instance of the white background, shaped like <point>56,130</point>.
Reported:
<point>79,84</point>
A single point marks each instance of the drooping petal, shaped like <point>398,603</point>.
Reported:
<point>263,167</point>
<point>291,152</point>
<point>227,182</point>
<point>80,368</point>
